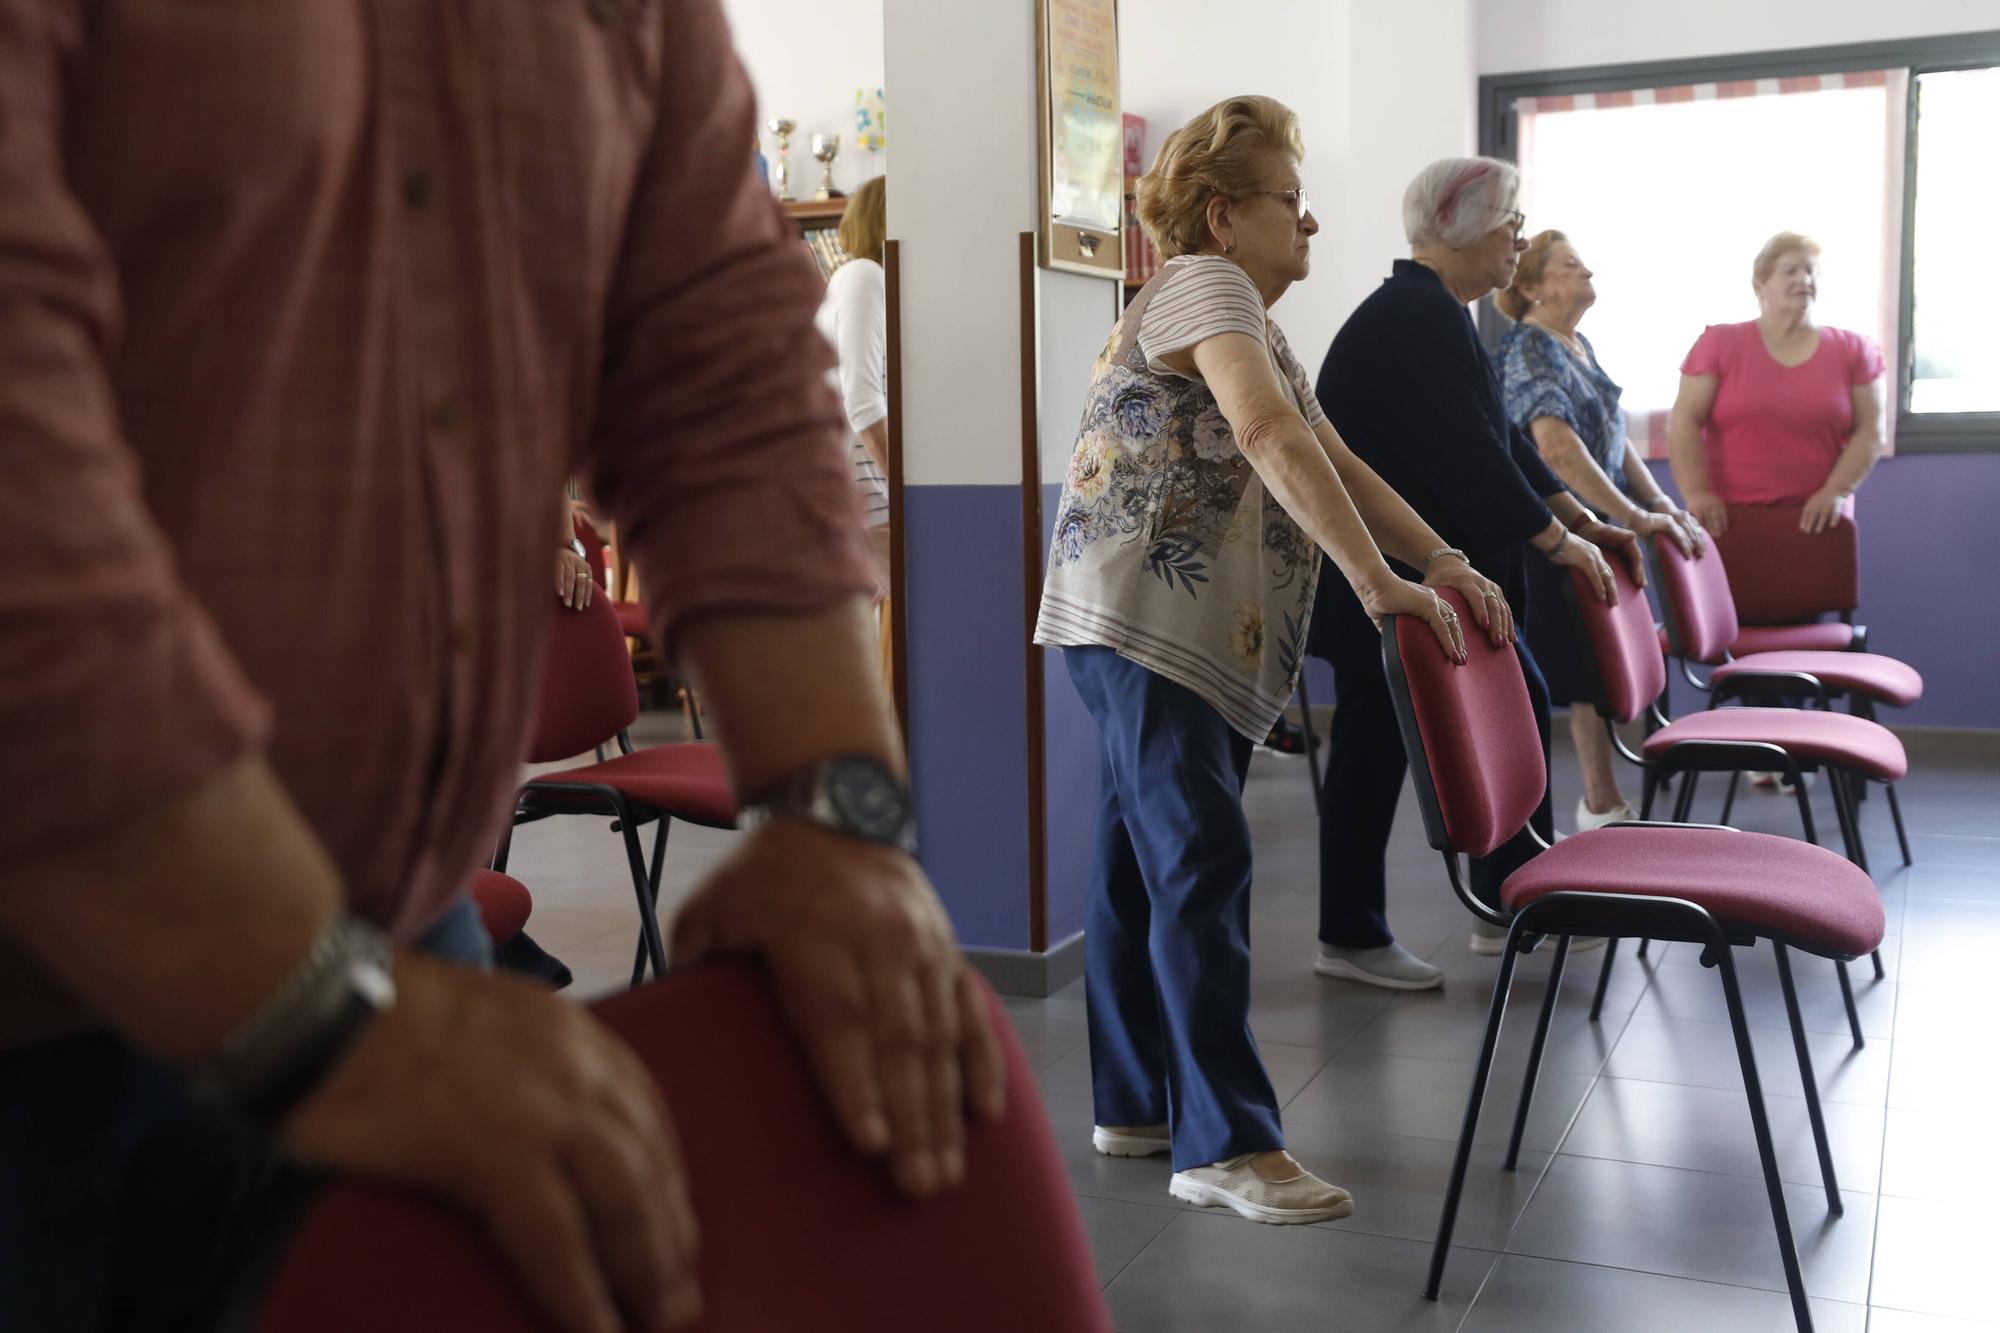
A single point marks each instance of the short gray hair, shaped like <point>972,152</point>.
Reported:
<point>1456,200</point>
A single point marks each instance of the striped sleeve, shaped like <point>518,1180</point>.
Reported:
<point>1202,298</point>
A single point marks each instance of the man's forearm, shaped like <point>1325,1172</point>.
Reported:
<point>175,926</point>
<point>786,689</point>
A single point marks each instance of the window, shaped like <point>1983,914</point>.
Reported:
<point>1670,176</point>
<point>1955,343</point>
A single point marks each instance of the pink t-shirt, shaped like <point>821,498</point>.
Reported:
<point>1776,430</point>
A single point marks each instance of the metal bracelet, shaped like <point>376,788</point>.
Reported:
<point>1441,552</point>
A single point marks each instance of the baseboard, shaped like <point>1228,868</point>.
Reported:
<point>1021,972</point>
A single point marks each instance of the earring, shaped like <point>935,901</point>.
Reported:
<point>1229,249</point>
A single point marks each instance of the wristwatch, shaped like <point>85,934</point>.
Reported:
<point>854,795</point>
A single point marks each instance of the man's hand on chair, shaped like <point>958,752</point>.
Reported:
<point>522,1109</point>
<point>872,981</point>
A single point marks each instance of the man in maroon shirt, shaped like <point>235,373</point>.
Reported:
<point>306,310</point>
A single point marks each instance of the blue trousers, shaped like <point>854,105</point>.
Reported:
<point>123,1201</point>
<point>1167,929</point>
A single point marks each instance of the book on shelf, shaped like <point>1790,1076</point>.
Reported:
<point>824,242</point>
<point>1142,261</point>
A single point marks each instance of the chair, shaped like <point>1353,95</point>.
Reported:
<point>1628,677</point>
<point>588,698</point>
<point>647,663</point>
<point>1783,580</point>
<point>1702,626</point>
<point>1476,764</point>
<point>503,903</point>
<point>1003,1253</point>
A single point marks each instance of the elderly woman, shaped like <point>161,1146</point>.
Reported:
<point>1777,410</point>
<point>1204,485</point>
<point>1408,385</point>
<point>854,317</point>
<point>1556,391</point>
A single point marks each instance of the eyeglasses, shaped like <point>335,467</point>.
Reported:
<point>1516,219</point>
<point>1301,205</point>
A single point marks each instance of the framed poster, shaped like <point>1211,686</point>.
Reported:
<point>1081,137</point>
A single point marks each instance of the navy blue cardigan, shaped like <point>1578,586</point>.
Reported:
<point>1411,390</point>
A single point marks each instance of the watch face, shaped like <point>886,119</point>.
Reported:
<point>868,799</point>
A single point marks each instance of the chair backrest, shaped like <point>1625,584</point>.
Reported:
<point>587,693</point>
<point>797,1230</point>
<point>1696,600</point>
<point>1624,644</point>
<point>1475,752</point>
<point>1782,576</point>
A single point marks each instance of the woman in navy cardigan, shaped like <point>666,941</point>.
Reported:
<point>1409,387</point>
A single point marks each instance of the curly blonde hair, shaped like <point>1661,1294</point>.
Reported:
<point>864,226</point>
<point>1513,302</point>
<point>1219,152</point>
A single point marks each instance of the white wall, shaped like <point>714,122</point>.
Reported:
<point>1559,34</point>
<point>806,58</point>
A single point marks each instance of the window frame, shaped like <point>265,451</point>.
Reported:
<point>1499,130</point>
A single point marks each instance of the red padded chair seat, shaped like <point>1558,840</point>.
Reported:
<point>1869,748</point>
<point>1878,677</point>
<point>631,619</point>
<point>1803,894</point>
<point>797,1230</point>
<point>1825,636</point>
<point>687,779</point>
<point>503,903</point>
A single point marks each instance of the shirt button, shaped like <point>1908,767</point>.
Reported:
<point>444,414</point>
<point>419,188</point>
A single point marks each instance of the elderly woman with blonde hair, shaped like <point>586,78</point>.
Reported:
<point>1409,385</point>
<point>1204,486</point>
<point>1777,410</point>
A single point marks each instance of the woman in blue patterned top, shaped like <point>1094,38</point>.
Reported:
<point>1557,392</point>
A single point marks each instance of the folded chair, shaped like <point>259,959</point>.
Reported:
<point>588,698</point>
<point>1702,626</point>
<point>1476,764</point>
<point>1628,679</point>
<point>797,1230</point>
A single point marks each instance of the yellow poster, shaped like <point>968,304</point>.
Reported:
<point>1086,187</point>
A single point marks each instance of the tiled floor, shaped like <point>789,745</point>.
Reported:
<point>1638,1204</point>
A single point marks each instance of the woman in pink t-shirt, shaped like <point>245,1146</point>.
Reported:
<point>1777,410</point>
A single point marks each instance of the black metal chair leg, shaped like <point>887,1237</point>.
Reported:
<point>1811,1084</point>
<point>1535,1051</point>
<point>1644,944</point>
<point>1847,998</point>
<point>649,917</point>
<point>1603,979</point>
<point>1456,1187</point>
<point>1788,1252</point>
<point>1684,803</point>
<point>1648,789</point>
<point>653,892</point>
<point>1896,816</point>
<point>1729,797</point>
<point>504,848</point>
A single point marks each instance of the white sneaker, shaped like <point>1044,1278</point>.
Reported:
<point>1130,1140</point>
<point>1488,941</point>
<point>1588,819</point>
<point>1303,1199</point>
<point>1391,966</point>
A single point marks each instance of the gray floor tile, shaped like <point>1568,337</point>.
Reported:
<point>1882,1319</point>
<point>1299,1008</point>
<point>1207,1273</point>
<point>1289,1067</point>
<point>1956,849</point>
<point>1696,993</point>
<point>1964,883</point>
<point>1708,1129</point>
<point>1935,1256</point>
<point>1435,1028</point>
<point>1398,1183</point>
<point>1712,1228</point>
<point>1118,1231</point>
<point>1128,1179</point>
<point>1673,1050</point>
<point>1370,1093</point>
<point>1047,1040</point>
<point>1527,1295</point>
<point>1937,1072</point>
<point>1950,1153</point>
<point>1940,1007</point>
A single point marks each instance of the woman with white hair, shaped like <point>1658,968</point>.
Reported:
<point>1204,486</point>
<point>1410,388</point>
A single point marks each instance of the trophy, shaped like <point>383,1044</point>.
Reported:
<point>825,148</point>
<point>781,173</point>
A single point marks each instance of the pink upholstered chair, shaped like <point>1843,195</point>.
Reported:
<point>1783,580</point>
<point>1702,626</point>
<point>797,1231</point>
<point>1476,764</point>
<point>588,699</point>
<point>503,903</point>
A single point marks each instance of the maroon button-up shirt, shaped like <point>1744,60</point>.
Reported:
<point>307,308</point>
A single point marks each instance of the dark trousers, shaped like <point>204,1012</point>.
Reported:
<point>1364,779</point>
<point>125,1204</point>
<point>1167,929</point>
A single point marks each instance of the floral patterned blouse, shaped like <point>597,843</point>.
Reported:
<point>1539,377</point>
<point>1167,547</point>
